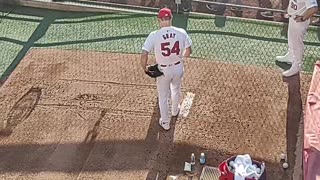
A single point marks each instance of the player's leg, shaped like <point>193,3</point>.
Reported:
<point>176,93</point>
<point>288,56</point>
<point>163,88</point>
<point>296,37</point>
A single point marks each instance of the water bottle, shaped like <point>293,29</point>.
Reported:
<point>202,159</point>
<point>192,161</point>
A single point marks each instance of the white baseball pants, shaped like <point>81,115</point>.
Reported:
<point>296,33</point>
<point>170,81</point>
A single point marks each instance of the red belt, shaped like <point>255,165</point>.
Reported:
<point>170,64</point>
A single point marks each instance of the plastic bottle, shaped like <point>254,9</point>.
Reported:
<point>193,159</point>
<point>192,162</point>
<point>202,159</point>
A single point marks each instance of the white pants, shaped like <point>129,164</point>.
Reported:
<point>171,80</point>
<point>296,33</point>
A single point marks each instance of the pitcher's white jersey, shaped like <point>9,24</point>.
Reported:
<point>299,7</point>
<point>168,44</point>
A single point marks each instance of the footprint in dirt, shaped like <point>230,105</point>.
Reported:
<point>86,97</point>
<point>21,110</point>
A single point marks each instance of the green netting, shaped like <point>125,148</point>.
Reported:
<point>218,38</point>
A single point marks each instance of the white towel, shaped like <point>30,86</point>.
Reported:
<point>244,168</point>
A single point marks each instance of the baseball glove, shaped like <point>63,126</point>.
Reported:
<point>153,71</point>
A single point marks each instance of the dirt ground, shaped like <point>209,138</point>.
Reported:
<point>79,114</point>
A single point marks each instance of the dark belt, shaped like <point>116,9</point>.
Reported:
<point>170,64</point>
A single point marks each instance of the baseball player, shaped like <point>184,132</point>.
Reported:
<point>170,45</point>
<point>299,13</point>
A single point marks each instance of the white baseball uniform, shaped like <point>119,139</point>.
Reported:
<point>168,44</point>
<point>297,30</point>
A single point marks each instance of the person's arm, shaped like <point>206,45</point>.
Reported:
<point>308,14</point>
<point>188,42</point>
<point>144,59</point>
<point>312,8</point>
<point>187,52</point>
<point>146,49</point>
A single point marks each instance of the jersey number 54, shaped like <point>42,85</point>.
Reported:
<point>166,51</point>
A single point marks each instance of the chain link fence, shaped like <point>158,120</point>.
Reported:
<point>258,42</point>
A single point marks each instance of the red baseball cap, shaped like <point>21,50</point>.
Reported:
<point>164,12</point>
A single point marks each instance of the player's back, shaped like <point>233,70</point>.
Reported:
<point>169,45</point>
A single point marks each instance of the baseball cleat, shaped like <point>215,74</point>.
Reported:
<point>284,58</point>
<point>295,69</point>
<point>164,125</point>
<point>176,113</point>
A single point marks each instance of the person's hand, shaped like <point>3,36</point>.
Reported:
<point>286,15</point>
<point>299,19</point>
<point>145,69</point>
